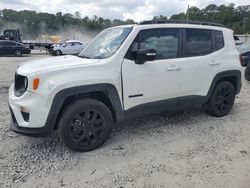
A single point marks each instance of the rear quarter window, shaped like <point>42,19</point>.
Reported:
<point>219,40</point>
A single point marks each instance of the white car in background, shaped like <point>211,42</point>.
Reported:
<point>69,47</point>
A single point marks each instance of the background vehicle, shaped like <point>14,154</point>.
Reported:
<point>69,47</point>
<point>237,40</point>
<point>14,35</point>
<point>8,47</point>
<point>126,72</point>
<point>247,73</point>
<point>244,50</point>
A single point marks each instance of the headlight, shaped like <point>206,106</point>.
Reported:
<point>20,85</point>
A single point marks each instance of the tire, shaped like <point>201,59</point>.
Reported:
<point>221,100</point>
<point>247,73</point>
<point>18,53</point>
<point>58,52</point>
<point>85,125</point>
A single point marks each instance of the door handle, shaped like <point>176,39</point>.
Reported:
<point>173,68</point>
<point>214,63</point>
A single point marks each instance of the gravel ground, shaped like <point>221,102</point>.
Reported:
<point>182,149</point>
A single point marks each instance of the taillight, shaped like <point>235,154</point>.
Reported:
<point>241,60</point>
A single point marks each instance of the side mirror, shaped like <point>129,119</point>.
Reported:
<point>141,56</point>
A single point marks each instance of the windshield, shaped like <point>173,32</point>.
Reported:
<point>106,43</point>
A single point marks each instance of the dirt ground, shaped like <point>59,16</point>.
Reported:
<point>182,149</point>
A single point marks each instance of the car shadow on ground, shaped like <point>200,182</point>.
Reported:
<point>49,154</point>
<point>149,124</point>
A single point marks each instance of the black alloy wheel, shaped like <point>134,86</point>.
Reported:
<point>221,100</point>
<point>85,124</point>
<point>247,73</point>
<point>87,127</point>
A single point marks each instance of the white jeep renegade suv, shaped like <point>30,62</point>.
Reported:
<point>126,72</point>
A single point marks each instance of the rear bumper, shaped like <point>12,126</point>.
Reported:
<point>26,51</point>
<point>34,132</point>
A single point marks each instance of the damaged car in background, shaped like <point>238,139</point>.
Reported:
<point>69,47</point>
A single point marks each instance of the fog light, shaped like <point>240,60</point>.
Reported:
<point>24,109</point>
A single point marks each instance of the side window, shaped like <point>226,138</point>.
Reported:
<point>8,43</point>
<point>68,44</point>
<point>163,41</point>
<point>219,40</point>
<point>198,42</point>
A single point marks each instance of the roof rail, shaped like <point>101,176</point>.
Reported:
<point>180,22</point>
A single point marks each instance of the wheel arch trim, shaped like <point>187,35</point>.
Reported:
<point>62,95</point>
<point>223,75</point>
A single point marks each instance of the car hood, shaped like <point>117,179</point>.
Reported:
<point>54,63</point>
<point>55,45</point>
<point>243,50</point>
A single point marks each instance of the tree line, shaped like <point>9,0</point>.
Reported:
<point>34,23</point>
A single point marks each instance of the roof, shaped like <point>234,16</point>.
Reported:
<point>180,22</point>
<point>176,24</point>
<point>73,41</point>
<point>4,40</point>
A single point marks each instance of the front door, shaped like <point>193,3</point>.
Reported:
<point>154,81</point>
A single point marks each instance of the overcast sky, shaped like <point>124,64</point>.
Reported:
<point>137,10</point>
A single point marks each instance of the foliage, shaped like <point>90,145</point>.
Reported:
<point>36,23</point>
<point>230,16</point>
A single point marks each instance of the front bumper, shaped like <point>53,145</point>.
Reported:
<point>34,132</point>
<point>37,108</point>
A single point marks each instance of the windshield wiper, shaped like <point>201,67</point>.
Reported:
<point>84,56</point>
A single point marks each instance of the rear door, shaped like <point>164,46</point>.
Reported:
<point>2,47</point>
<point>8,47</point>
<point>201,60</point>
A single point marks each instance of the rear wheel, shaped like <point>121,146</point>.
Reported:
<point>18,53</point>
<point>221,100</point>
<point>247,73</point>
<point>85,125</point>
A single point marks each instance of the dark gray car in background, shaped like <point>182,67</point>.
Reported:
<point>8,47</point>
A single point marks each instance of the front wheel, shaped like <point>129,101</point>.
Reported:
<point>221,100</point>
<point>58,52</point>
<point>85,125</point>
